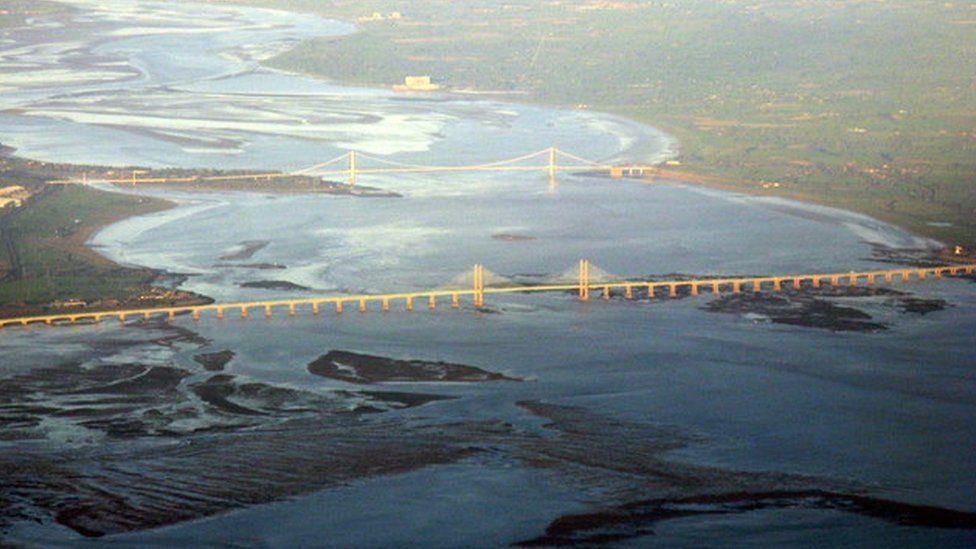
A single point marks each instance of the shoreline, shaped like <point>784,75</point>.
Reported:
<point>679,177</point>
<point>305,184</point>
<point>935,225</point>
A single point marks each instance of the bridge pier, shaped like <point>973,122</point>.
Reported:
<point>872,279</point>
<point>338,307</point>
<point>606,293</point>
<point>922,275</point>
<point>853,279</point>
<point>385,305</point>
<point>673,290</point>
<point>432,302</point>
<point>244,312</point>
<point>455,301</point>
<point>267,311</point>
<point>716,288</point>
<point>409,303</point>
<point>146,317</point>
<point>888,278</point>
<point>315,308</point>
<point>835,281</point>
<point>196,314</point>
<point>628,292</point>
<point>777,285</point>
<point>694,289</point>
<point>938,273</point>
<point>757,286</point>
<point>220,313</point>
<point>362,305</point>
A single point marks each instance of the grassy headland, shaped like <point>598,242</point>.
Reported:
<point>868,106</point>
<point>46,265</point>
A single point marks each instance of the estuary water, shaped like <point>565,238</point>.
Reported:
<point>754,404</point>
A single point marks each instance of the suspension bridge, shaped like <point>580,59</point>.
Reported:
<point>587,281</point>
<point>352,165</point>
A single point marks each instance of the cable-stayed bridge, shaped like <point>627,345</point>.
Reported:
<point>481,283</point>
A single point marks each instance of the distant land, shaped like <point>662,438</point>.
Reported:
<point>867,106</point>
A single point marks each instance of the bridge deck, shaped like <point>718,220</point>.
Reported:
<point>354,167</point>
<point>715,285</point>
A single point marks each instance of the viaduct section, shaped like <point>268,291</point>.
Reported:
<point>478,291</point>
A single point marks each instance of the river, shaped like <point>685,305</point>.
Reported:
<point>723,400</point>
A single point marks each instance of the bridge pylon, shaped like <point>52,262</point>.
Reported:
<point>552,168</point>
<point>352,168</point>
<point>584,280</point>
<point>479,286</point>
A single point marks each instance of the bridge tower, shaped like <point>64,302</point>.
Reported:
<point>479,286</point>
<point>352,168</point>
<point>584,280</point>
<point>552,168</point>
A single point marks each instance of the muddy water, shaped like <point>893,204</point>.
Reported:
<point>697,402</point>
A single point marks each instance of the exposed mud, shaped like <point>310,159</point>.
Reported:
<point>921,306</point>
<point>106,448</point>
<point>246,250</point>
<point>910,257</point>
<point>367,369</point>
<point>114,488</point>
<point>283,285</point>
<point>828,307</point>
<point>255,266</point>
<point>637,519</point>
<point>628,462</point>
<point>280,442</point>
<point>215,362</point>
<point>506,237</point>
<point>799,310</point>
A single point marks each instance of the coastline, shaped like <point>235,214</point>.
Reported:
<point>303,185</point>
<point>73,244</point>
<point>710,157</point>
<point>754,190</point>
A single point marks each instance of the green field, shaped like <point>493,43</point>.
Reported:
<point>865,105</point>
<point>44,256</point>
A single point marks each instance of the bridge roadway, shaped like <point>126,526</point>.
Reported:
<point>478,291</point>
<point>351,165</point>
